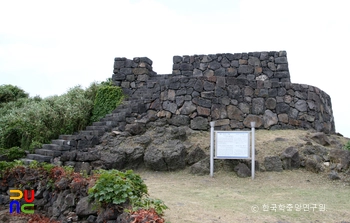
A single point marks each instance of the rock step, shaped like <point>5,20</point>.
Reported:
<point>66,137</point>
<point>39,158</point>
<point>99,123</point>
<point>117,117</point>
<point>60,142</point>
<point>56,147</point>
<point>92,132</point>
<point>48,152</point>
<point>126,111</point>
<point>109,115</point>
<point>106,119</point>
<point>99,128</point>
<point>111,123</point>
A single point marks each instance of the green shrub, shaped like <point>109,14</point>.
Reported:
<point>91,91</point>
<point>150,203</point>
<point>116,187</point>
<point>13,153</point>
<point>11,93</point>
<point>71,111</point>
<point>108,97</point>
<point>5,166</point>
<point>29,122</point>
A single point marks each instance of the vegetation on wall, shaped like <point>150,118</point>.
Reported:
<point>27,123</point>
<point>108,97</point>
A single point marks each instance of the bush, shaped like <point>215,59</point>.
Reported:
<point>29,122</point>
<point>347,146</point>
<point>13,153</point>
<point>32,122</point>
<point>108,97</point>
<point>71,111</point>
<point>11,93</point>
<point>116,187</point>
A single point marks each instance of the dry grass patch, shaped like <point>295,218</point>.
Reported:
<point>228,198</point>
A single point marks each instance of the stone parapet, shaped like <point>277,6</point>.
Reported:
<point>232,89</point>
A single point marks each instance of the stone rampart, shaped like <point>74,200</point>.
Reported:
<point>231,89</point>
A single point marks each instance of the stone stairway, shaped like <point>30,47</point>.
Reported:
<point>89,137</point>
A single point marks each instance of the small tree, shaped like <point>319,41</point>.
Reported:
<point>11,93</point>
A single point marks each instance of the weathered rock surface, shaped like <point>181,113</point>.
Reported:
<point>243,170</point>
<point>201,168</point>
<point>341,157</point>
<point>273,163</point>
<point>314,163</point>
<point>290,158</point>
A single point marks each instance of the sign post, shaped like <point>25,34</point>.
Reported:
<point>232,145</point>
<point>212,124</point>
<point>252,124</point>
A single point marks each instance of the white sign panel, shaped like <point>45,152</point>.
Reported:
<point>231,144</point>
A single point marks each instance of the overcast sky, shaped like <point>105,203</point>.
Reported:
<point>47,47</point>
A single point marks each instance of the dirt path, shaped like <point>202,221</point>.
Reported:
<point>290,196</point>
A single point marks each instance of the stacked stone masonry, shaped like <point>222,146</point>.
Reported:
<point>231,89</point>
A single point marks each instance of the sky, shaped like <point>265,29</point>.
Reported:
<point>47,47</point>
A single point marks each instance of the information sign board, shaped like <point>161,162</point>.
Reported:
<point>232,145</point>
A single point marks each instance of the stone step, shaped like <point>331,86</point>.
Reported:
<point>99,123</point>
<point>109,115</point>
<point>126,111</point>
<point>92,132</point>
<point>106,123</point>
<point>39,158</point>
<point>86,132</point>
<point>48,152</point>
<point>125,103</point>
<point>99,128</point>
<point>112,123</point>
<point>66,137</point>
<point>56,147</point>
<point>117,117</point>
<point>107,119</point>
<point>51,147</point>
<point>60,142</point>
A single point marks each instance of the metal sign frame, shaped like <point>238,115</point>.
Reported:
<point>232,145</point>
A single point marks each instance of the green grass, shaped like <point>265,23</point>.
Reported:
<point>227,198</point>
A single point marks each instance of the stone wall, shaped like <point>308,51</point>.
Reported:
<point>272,66</point>
<point>231,89</point>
